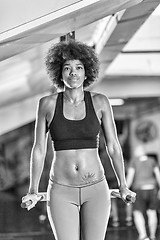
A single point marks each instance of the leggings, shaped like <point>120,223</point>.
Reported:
<point>79,212</point>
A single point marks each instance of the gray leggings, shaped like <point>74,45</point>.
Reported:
<point>72,210</point>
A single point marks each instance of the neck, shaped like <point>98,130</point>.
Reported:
<point>74,97</point>
<point>74,94</point>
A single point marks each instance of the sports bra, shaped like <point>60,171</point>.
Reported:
<point>69,134</point>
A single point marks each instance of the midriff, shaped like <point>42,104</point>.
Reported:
<point>76,167</point>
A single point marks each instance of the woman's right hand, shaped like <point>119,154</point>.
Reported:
<point>30,200</point>
<point>127,195</point>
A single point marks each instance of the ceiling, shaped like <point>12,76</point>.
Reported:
<point>125,34</point>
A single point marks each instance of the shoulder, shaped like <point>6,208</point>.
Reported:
<point>99,96</point>
<point>47,102</point>
<point>100,99</point>
<point>48,99</point>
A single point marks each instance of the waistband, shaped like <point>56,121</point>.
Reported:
<point>78,186</point>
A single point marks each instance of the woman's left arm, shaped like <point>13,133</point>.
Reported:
<point>113,146</point>
<point>157,175</point>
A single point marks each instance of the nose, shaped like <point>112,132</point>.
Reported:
<point>73,73</point>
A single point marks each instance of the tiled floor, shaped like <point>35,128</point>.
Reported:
<point>18,223</point>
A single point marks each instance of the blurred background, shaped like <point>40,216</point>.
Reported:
<point>125,35</point>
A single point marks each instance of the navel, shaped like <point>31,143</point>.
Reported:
<point>76,168</point>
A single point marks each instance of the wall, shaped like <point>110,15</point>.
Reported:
<point>145,131</point>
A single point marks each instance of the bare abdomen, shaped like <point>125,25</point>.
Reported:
<point>77,167</point>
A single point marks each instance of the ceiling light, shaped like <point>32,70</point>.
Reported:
<point>116,101</point>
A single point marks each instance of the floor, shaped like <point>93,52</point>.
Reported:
<point>18,223</point>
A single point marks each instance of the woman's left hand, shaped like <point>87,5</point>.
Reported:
<point>127,195</point>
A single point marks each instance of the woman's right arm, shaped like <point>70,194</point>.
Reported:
<point>37,155</point>
<point>39,148</point>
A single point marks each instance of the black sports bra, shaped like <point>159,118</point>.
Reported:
<point>74,134</point>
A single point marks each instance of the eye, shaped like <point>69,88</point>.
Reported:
<point>80,67</point>
<point>66,69</point>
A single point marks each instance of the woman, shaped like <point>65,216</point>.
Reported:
<point>79,199</point>
<point>146,184</point>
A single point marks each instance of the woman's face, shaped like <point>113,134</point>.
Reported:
<point>73,73</point>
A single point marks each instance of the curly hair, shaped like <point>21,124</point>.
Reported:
<point>59,53</point>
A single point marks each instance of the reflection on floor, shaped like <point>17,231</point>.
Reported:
<point>18,223</point>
